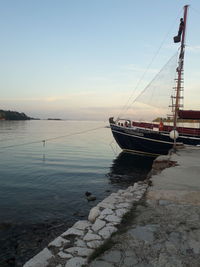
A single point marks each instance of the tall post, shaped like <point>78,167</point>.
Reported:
<point>180,67</point>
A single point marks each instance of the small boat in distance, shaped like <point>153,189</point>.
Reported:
<point>157,138</point>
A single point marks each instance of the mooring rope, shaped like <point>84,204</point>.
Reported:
<point>51,139</point>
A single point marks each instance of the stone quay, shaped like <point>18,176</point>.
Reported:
<point>162,227</point>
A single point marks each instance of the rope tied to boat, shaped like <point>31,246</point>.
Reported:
<point>51,139</point>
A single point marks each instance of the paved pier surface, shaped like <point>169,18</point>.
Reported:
<point>164,229</point>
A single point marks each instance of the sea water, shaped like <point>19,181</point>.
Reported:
<point>46,167</point>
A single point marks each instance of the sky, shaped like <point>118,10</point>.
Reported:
<point>84,59</point>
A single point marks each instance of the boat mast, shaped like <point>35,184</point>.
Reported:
<point>180,68</point>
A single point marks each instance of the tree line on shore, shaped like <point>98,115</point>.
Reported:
<point>13,115</point>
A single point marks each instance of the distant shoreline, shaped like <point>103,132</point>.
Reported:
<point>52,119</point>
<point>8,115</point>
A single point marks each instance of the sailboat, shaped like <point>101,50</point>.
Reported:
<point>158,138</point>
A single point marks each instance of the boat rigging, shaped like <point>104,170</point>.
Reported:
<point>153,138</point>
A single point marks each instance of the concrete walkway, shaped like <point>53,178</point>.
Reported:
<point>164,229</point>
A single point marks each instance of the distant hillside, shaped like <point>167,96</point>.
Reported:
<point>13,115</point>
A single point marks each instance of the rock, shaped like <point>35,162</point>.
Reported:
<point>131,261</point>
<point>139,193</point>
<point>107,231</point>
<point>130,201</point>
<point>91,237</point>
<point>120,199</point>
<point>194,245</point>
<point>102,217</point>
<point>76,262</point>
<point>123,205</point>
<point>106,205</point>
<point>101,263</point>
<point>88,194</point>
<point>130,253</point>
<point>121,212</point>
<point>145,233</point>
<point>40,260</point>
<point>135,186</point>
<point>98,225</point>
<point>91,198</point>
<point>138,197</point>
<point>78,251</point>
<point>127,195</point>
<point>113,218</point>
<point>143,189</point>
<point>110,200</point>
<point>94,244</point>
<point>111,224</point>
<point>82,225</point>
<point>73,231</point>
<point>113,256</point>
<point>63,255</point>
<point>113,195</point>
<point>121,191</point>
<point>131,189</point>
<point>175,238</point>
<point>94,213</point>
<point>107,212</point>
<point>58,242</point>
<point>80,243</point>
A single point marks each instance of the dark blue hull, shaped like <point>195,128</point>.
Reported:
<point>147,141</point>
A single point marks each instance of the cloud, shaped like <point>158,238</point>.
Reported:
<point>53,98</point>
<point>82,106</point>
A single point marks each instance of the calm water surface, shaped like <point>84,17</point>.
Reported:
<point>42,187</point>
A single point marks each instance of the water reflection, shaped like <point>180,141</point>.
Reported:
<point>130,168</point>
